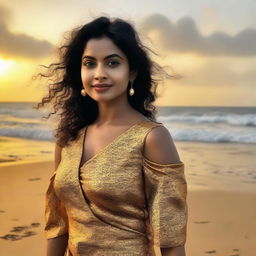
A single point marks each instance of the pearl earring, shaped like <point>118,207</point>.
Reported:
<point>131,91</point>
<point>83,92</point>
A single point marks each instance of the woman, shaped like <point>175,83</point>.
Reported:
<point>119,186</point>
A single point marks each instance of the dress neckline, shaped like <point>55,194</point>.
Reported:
<point>108,145</point>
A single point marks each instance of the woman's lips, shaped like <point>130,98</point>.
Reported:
<point>102,85</point>
<point>101,88</point>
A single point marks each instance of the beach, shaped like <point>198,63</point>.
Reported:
<point>216,144</point>
<point>221,218</point>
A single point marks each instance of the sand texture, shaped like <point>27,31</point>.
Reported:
<point>220,223</point>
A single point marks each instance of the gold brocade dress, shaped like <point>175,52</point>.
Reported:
<point>118,202</point>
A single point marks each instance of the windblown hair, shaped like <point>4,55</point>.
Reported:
<point>65,84</point>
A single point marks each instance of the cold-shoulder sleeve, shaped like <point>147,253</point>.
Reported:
<point>166,193</point>
<point>56,221</point>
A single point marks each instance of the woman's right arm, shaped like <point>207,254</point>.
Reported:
<point>57,246</point>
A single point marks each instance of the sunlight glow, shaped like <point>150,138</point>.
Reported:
<point>5,66</point>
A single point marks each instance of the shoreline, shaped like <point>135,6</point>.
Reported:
<point>45,148</point>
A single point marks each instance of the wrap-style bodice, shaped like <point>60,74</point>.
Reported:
<point>118,202</point>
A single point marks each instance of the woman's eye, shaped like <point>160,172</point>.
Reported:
<point>88,63</point>
<point>110,63</point>
<point>113,63</point>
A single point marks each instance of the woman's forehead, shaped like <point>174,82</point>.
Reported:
<point>101,47</point>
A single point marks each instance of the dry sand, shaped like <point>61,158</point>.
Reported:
<point>220,223</point>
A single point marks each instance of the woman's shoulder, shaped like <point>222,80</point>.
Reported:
<point>159,145</point>
<point>152,128</point>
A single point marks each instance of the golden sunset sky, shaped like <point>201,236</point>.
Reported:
<point>210,43</point>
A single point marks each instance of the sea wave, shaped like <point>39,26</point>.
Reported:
<point>213,135</point>
<point>28,132</point>
<point>179,134</point>
<point>230,119</point>
<point>22,111</point>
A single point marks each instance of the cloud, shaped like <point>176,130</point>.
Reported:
<point>220,75</point>
<point>5,14</point>
<point>20,45</point>
<point>184,36</point>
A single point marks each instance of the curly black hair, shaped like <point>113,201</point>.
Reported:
<point>65,84</point>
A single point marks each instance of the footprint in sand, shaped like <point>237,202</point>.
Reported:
<point>1,211</point>
<point>35,224</point>
<point>19,229</point>
<point>11,237</point>
<point>29,233</point>
<point>23,230</point>
<point>201,222</point>
<point>213,251</point>
<point>33,179</point>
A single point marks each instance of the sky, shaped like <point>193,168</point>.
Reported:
<point>210,44</point>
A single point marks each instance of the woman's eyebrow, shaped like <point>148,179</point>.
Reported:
<point>107,57</point>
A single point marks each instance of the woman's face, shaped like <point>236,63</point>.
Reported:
<point>104,63</point>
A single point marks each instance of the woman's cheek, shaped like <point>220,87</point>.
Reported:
<point>85,77</point>
<point>120,74</point>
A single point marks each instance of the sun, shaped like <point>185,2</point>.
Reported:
<point>5,66</point>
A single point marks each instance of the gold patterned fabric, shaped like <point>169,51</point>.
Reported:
<point>118,202</point>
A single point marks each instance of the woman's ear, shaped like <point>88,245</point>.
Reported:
<point>133,75</point>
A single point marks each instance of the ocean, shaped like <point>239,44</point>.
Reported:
<point>217,144</point>
<point>198,124</point>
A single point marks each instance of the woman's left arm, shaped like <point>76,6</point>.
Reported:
<point>160,148</point>
<point>174,251</point>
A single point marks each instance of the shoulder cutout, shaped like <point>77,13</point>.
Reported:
<point>159,146</point>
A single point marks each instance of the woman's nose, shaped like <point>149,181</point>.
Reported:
<point>100,72</point>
